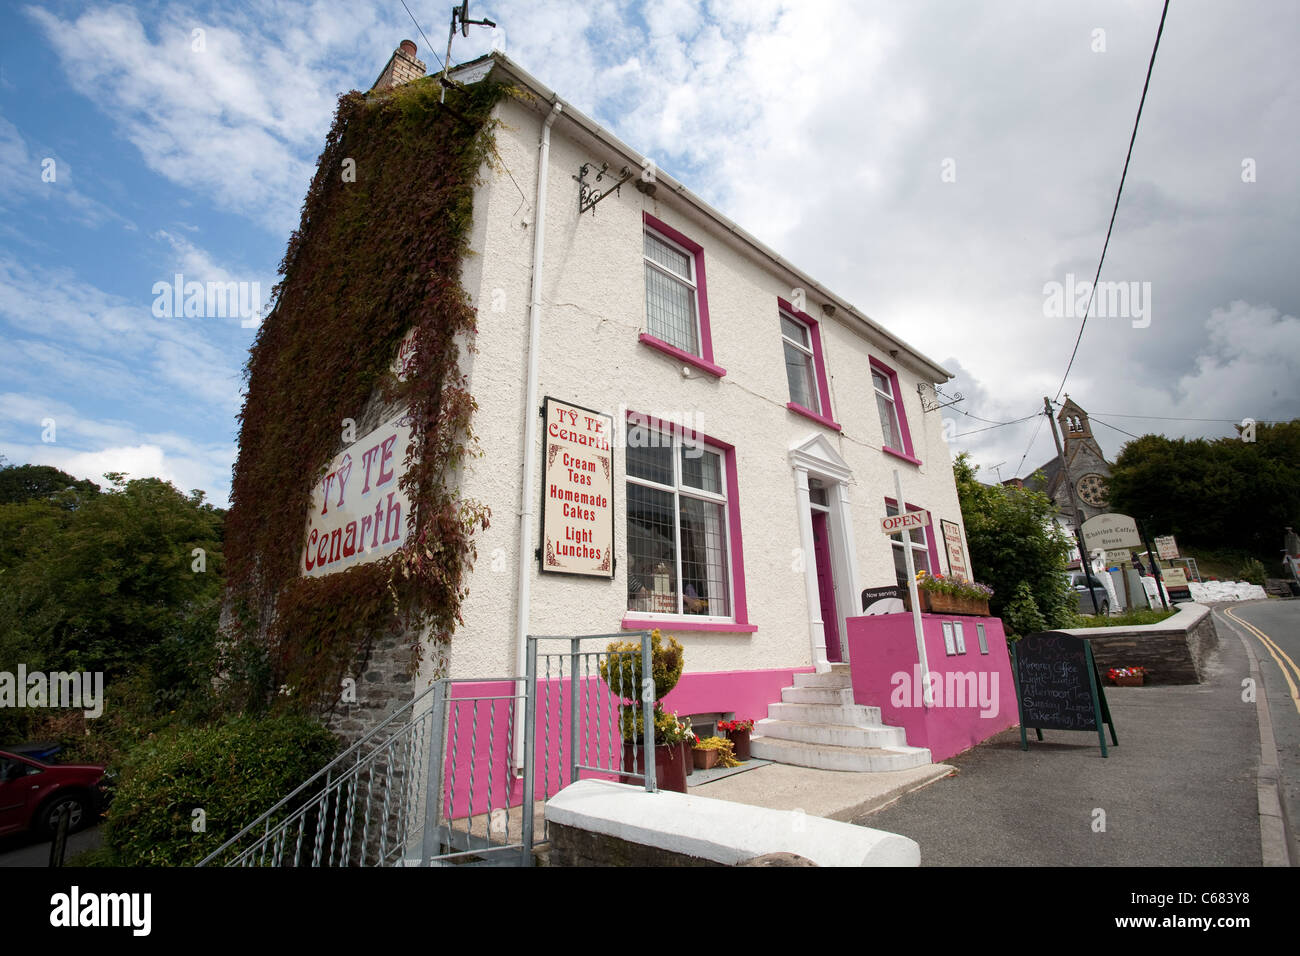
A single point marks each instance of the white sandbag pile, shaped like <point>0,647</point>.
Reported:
<point>1225,591</point>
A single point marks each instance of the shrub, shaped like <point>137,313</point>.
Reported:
<point>233,772</point>
<point>1252,572</point>
<point>1022,616</point>
<point>622,673</point>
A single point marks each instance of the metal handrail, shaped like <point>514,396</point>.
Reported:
<point>324,771</point>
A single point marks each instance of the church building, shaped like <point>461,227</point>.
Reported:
<point>1085,464</point>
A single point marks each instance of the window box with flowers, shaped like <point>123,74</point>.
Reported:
<point>952,595</point>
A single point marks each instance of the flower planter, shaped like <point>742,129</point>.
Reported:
<point>1132,681</point>
<point>739,743</point>
<point>705,759</point>
<point>936,602</point>
<point>687,760</point>
<point>670,767</point>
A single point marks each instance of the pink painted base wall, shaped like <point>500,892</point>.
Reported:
<point>974,695</point>
<point>481,731</point>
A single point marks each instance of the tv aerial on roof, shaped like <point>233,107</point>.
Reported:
<point>459,17</point>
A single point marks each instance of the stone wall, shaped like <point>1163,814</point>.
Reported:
<point>383,685</point>
<point>1174,651</point>
<point>571,846</point>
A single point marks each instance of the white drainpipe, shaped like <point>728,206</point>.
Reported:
<point>528,491</point>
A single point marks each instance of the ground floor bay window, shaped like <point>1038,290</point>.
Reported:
<point>679,560</point>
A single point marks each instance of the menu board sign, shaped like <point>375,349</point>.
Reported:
<point>577,491</point>
<point>957,566</point>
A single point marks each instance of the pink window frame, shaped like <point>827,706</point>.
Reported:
<point>931,547</point>
<point>703,361</point>
<point>819,369</point>
<point>906,452</point>
<point>739,606</point>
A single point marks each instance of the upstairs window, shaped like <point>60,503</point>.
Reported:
<point>800,368</point>
<point>885,404</point>
<point>671,306</point>
<point>896,440</point>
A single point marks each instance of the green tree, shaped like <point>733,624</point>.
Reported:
<point>1014,539</point>
<point>26,482</point>
<point>97,587</point>
<point>1223,494</point>
<point>1021,615</point>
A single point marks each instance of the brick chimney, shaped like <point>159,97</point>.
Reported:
<point>403,66</point>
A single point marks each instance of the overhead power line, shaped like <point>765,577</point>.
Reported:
<point>1115,209</point>
<point>1037,428</point>
<point>427,44</point>
<point>1173,418</point>
<point>990,428</point>
<point>1094,418</point>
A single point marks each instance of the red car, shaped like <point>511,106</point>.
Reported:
<point>33,794</point>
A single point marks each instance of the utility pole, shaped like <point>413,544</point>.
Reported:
<point>1074,503</point>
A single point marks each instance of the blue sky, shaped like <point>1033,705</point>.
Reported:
<point>820,127</point>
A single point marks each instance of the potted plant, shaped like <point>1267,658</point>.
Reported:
<point>738,732</point>
<point>952,595</point>
<point>621,672</point>
<point>714,751</point>
<point>1127,676</point>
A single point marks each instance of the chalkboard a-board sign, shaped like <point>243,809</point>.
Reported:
<point>1058,687</point>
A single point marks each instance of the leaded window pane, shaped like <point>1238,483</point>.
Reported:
<point>702,469</point>
<point>651,550</point>
<point>704,558</point>
<point>649,455</point>
<point>668,257</point>
<point>670,311</point>
<point>794,331</point>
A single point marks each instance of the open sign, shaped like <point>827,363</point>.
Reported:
<point>893,524</point>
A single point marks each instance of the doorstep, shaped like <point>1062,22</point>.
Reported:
<point>700,777</point>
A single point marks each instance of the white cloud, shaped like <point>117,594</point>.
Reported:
<point>239,121</point>
<point>27,177</point>
<point>82,324</point>
<point>88,447</point>
<point>1250,364</point>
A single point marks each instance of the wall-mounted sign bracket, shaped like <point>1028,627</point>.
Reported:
<point>931,404</point>
<point>588,195</point>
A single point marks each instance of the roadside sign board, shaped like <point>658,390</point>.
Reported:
<point>1058,687</point>
<point>1174,577</point>
<point>1117,557</point>
<point>893,524</point>
<point>1167,547</point>
<point>1111,532</point>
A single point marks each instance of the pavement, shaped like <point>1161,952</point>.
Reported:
<point>1185,787</point>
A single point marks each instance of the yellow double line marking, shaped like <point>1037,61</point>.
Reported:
<point>1275,651</point>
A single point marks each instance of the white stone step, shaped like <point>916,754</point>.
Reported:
<point>830,757</point>
<point>835,679</point>
<point>837,735</point>
<point>850,715</point>
<point>835,696</point>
